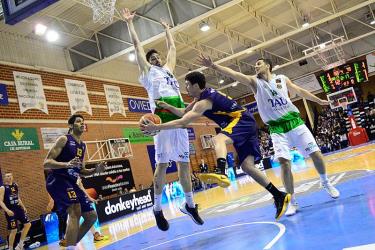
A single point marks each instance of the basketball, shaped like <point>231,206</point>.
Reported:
<point>145,120</point>
<point>150,117</point>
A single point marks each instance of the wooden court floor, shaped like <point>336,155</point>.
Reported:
<point>242,196</point>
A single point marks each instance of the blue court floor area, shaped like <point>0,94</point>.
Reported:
<point>322,223</point>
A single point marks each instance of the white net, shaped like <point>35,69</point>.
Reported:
<point>103,10</point>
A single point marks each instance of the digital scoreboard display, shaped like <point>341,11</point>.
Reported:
<point>17,10</point>
<point>343,76</point>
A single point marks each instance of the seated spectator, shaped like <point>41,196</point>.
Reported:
<point>203,167</point>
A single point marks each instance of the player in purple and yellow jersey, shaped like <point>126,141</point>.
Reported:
<point>238,127</point>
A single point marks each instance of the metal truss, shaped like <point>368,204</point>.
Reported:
<point>289,34</point>
<point>210,10</point>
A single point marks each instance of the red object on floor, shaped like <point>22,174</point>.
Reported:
<point>357,136</point>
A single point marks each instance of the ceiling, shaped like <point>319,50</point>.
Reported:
<point>241,31</point>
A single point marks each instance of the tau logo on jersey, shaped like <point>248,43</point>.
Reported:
<point>279,86</point>
<point>278,102</point>
<point>72,143</point>
<point>172,82</point>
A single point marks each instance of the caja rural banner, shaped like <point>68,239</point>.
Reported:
<point>118,175</point>
<point>18,139</point>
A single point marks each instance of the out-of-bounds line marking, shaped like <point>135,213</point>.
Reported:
<point>338,178</point>
<point>268,246</point>
<point>362,247</point>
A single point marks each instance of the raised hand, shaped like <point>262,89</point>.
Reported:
<point>205,60</point>
<point>162,104</point>
<point>128,16</point>
<point>76,162</point>
<point>164,23</point>
<point>148,126</point>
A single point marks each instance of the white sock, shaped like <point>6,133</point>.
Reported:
<point>20,243</point>
<point>293,199</point>
<point>189,199</point>
<point>70,248</point>
<point>157,202</point>
<point>323,177</point>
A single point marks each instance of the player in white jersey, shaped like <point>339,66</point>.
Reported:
<point>172,145</point>
<point>286,127</point>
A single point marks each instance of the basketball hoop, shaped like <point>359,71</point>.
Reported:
<point>343,103</point>
<point>344,106</point>
<point>102,10</point>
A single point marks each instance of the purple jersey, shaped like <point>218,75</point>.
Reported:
<point>71,150</point>
<point>236,122</point>
<point>11,198</point>
<point>224,109</point>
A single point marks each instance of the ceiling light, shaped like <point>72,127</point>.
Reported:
<point>234,84</point>
<point>276,66</point>
<point>221,81</point>
<point>203,26</point>
<point>372,22</point>
<point>322,45</point>
<point>52,36</point>
<point>40,29</point>
<point>131,57</point>
<point>249,51</point>
<point>305,25</point>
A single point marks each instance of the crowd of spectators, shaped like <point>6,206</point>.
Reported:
<point>331,131</point>
<point>266,146</point>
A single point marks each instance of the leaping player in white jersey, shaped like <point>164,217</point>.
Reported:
<point>170,145</point>
<point>286,127</point>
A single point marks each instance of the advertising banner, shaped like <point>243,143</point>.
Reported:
<point>3,95</point>
<point>30,91</point>
<point>78,97</point>
<point>129,203</point>
<point>135,135</point>
<point>139,105</point>
<point>18,139</point>
<point>50,135</point>
<point>117,176</point>
<point>114,100</point>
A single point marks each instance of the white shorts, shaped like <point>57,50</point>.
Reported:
<point>172,145</point>
<point>300,137</point>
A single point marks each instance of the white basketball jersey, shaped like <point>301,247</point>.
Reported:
<point>160,84</point>
<point>273,100</point>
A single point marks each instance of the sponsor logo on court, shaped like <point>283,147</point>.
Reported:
<point>126,204</point>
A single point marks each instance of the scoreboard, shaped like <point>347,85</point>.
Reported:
<point>17,10</point>
<point>343,76</point>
